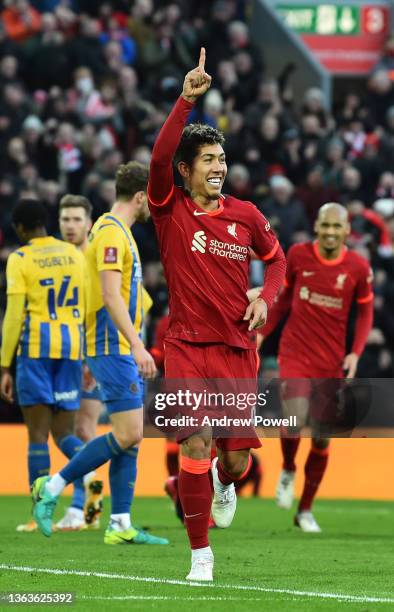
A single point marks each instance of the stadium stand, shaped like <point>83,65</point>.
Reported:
<point>85,85</point>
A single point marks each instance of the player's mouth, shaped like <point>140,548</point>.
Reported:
<point>215,181</point>
<point>331,240</point>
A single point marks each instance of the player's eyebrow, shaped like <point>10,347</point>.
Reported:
<point>210,155</point>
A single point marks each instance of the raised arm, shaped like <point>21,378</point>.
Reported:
<point>161,177</point>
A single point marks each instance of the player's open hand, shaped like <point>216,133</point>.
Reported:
<point>350,365</point>
<point>7,386</point>
<point>256,314</point>
<point>197,81</point>
<point>144,360</point>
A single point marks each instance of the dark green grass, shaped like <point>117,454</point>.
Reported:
<point>353,556</point>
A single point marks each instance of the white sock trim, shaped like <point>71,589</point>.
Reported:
<point>55,485</point>
<point>120,522</point>
<point>197,553</point>
<point>88,477</point>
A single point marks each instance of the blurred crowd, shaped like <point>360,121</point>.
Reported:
<point>87,84</point>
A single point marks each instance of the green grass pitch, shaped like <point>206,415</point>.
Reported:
<point>262,561</point>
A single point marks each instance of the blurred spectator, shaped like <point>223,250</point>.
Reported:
<point>20,20</point>
<point>238,182</point>
<point>286,213</point>
<point>86,48</point>
<point>381,95</point>
<point>350,188</point>
<point>313,193</point>
<point>114,28</point>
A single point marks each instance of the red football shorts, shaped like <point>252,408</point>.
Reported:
<point>214,362</point>
<point>319,386</point>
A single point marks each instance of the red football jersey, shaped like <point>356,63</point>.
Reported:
<point>206,259</point>
<point>321,293</point>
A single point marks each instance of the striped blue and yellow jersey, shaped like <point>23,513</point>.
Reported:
<point>50,274</point>
<point>111,247</point>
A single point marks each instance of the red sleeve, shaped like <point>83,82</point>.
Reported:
<point>364,298</point>
<point>267,247</point>
<point>363,326</point>
<point>374,218</point>
<point>283,303</point>
<point>364,293</point>
<point>161,176</point>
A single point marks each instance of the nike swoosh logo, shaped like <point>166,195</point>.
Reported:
<point>193,515</point>
<point>127,540</point>
<point>307,273</point>
<point>196,213</point>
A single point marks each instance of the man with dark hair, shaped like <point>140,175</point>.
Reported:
<point>131,178</point>
<point>44,319</point>
<point>205,241</point>
<point>117,358</point>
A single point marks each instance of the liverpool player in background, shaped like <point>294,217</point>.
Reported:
<point>205,240</point>
<point>323,279</point>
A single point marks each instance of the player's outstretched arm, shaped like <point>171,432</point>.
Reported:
<point>161,177</point>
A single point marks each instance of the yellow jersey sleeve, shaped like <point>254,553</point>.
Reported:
<point>16,281</point>
<point>147,301</point>
<point>110,248</point>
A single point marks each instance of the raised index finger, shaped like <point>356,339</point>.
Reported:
<point>201,61</point>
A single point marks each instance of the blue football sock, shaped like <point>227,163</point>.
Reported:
<point>122,477</point>
<point>70,445</point>
<point>90,457</point>
<point>38,461</point>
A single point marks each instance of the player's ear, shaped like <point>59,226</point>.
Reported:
<point>348,229</point>
<point>183,169</point>
<point>316,226</point>
<point>140,195</point>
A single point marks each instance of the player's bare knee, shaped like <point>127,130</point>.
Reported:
<point>197,447</point>
<point>129,438</point>
<point>321,443</point>
<point>234,462</point>
<point>84,432</point>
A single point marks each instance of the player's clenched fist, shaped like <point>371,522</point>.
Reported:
<point>144,360</point>
<point>197,81</point>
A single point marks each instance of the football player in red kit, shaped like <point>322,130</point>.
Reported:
<point>323,279</point>
<point>205,242</point>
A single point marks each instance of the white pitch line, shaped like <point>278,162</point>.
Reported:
<point>239,587</point>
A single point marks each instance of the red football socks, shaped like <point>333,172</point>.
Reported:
<point>315,467</point>
<point>289,451</point>
<point>195,493</point>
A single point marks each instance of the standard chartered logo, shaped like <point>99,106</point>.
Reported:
<point>199,241</point>
<point>227,250</point>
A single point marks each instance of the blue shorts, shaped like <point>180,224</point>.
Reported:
<point>118,380</point>
<point>94,394</point>
<point>54,382</point>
